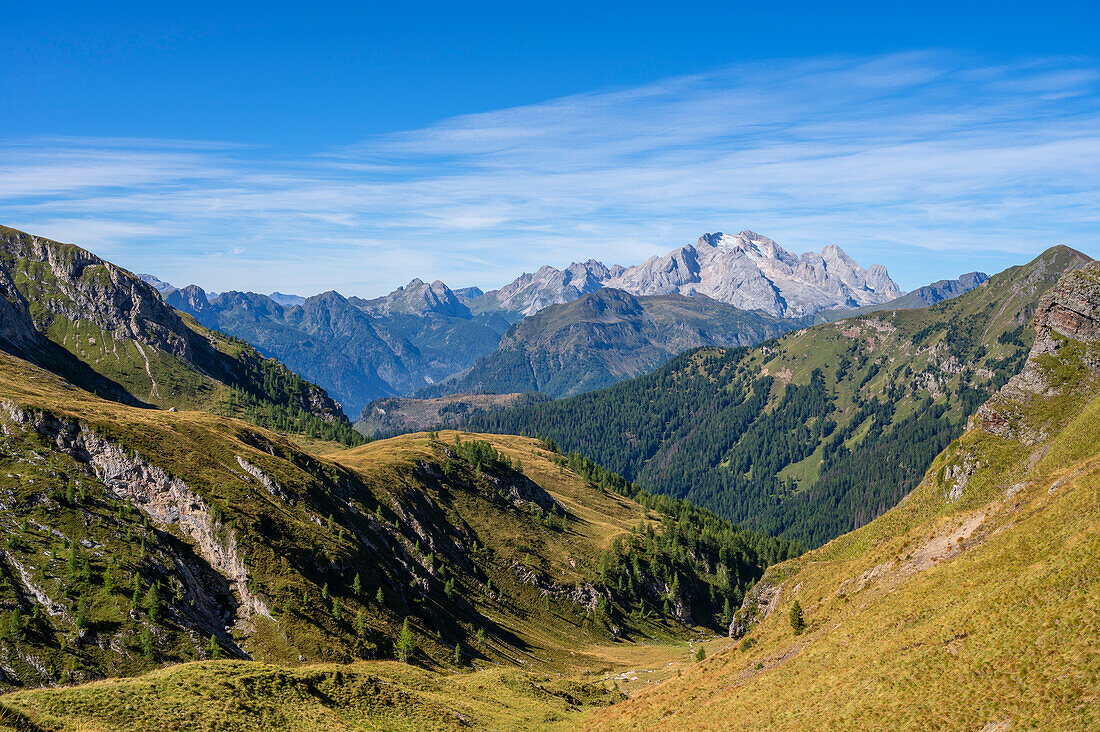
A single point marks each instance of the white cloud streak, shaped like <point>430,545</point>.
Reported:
<point>931,163</point>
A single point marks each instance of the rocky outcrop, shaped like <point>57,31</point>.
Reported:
<point>1068,313</point>
<point>585,595</point>
<point>166,500</point>
<point>758,604</point>
<point>1071,309</point>
<point>271,486</point>
<point>72,283</point>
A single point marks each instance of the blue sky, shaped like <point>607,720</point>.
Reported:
<point>354,148</point>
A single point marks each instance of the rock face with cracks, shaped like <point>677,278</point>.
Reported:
<point>1067,316</point>
<point>167,501</point>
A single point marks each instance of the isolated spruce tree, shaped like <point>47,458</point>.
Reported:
<point>73,562</point>
<point>15,626</point>
<point>147,647</point>
<point>356,585</point>
<point>361,623</point>
<point>798,623</point>
<point>213,650</point>
<point>406,642</point>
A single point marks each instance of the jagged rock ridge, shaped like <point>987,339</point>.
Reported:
<point>417,298</point>
<point>531,292</point>
<point>746,270</point>
<point>752,272</point>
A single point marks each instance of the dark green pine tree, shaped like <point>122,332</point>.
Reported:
<point>798,622</point>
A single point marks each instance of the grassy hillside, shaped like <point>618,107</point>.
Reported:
<point>262,697</point>
<point>108,331</point>
<point>971,605</point>
<point>817,432</point>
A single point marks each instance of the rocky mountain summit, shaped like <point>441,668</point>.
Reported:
<point>417,298</point>
<point>746,270</point>
<point>752,272</point>
<point>531,292</point>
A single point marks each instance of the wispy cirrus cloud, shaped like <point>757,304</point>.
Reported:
<point>931,163</point>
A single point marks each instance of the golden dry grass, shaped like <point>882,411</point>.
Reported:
<point>936,616</point>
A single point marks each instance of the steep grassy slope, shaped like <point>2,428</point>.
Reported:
<point>605,337</point>
<point>108,331</point>
<point>819,431</point>
<point>971,605</point>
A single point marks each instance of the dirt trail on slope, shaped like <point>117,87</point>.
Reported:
<point>943,546</point>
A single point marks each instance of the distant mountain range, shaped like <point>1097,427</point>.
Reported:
<point>918,298</point>
<point>746,270</point>
<point>359,349</point>
<point>429,340</point>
